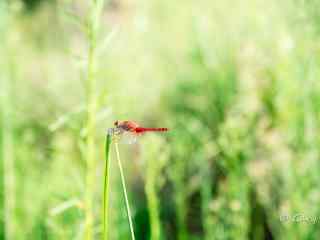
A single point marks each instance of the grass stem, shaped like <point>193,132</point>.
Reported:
<point>106,188</point>
<point>7,141</point>
<point>125,191</point>
<point>92,102</point>
<point>8,159</point>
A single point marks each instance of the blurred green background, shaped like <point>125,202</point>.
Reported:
<point>236,81</point>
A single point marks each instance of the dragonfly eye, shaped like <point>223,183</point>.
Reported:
<point>116,123</point>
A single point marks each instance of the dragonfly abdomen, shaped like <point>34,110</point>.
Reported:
<point>142,130</point>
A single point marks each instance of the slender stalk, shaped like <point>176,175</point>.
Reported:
<point>206,198</point>
<point>7,128</point>
<point>153,171</point>
<point>181,213</point>
<point>106,188</point>
<point>8,158</point>
<point>153,205</point>
<point>92,31</point>
<point>91,134</point>
<point>125,191</point>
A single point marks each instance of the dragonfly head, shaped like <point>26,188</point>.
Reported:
<point>116,123</point>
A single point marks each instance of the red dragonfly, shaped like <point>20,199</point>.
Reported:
<point>133,129</point>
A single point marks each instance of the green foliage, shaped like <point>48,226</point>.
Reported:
<point>32,5</point>
<point>234,81</point>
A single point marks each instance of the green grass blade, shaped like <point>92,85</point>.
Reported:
<point>106,187</point>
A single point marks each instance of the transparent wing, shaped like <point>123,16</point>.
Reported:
<point>124,136</point>
<point>128,138</point>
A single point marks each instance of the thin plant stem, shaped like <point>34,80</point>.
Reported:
<point>106,187</point>
<point>8,136</point>
<point>206,198</point>
<point>92,102</point>
<point>125,191</point>
<point>90,143</point>
<point>8,157</point>
<point>152,173</point>
<point>153,204</point>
